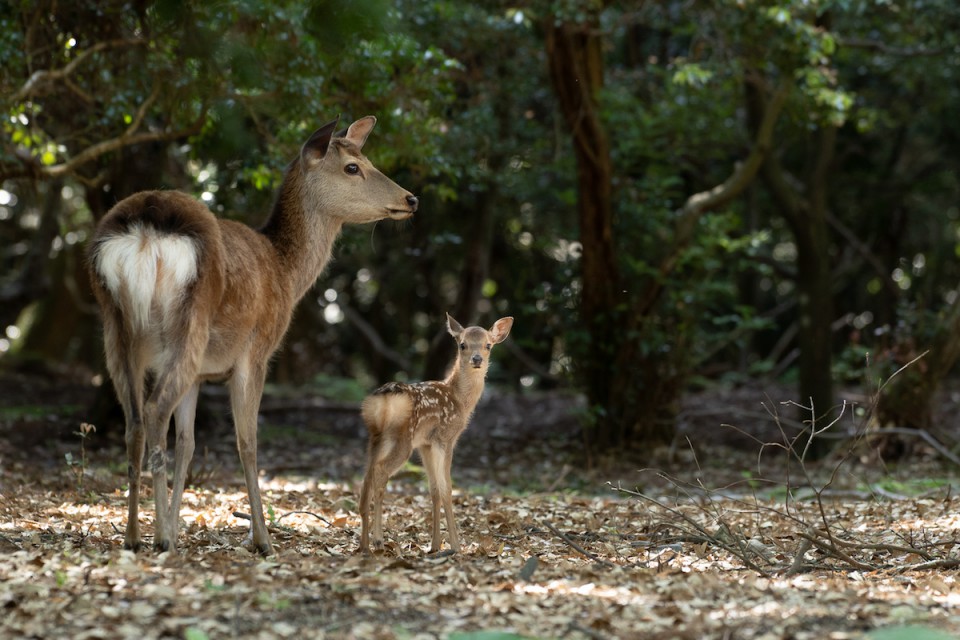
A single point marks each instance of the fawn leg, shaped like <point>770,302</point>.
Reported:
<point>446,493</point>
<point>373,448</point>
<point>431,460</point>
<point>387,456</point>
<point>183,417</point>
<point>246,388</point>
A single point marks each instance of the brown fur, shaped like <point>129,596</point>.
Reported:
<point>188,297</point>
<point>429,417</point>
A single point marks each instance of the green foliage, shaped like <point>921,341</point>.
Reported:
<point>908,632</point>
<point>468,120</point>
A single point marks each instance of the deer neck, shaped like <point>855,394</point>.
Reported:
<point>467,384</point>
<point>302,234</point>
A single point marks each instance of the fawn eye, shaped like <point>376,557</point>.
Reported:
<point>352,168</point>
<point>488,347</point>
<point>463,346</point>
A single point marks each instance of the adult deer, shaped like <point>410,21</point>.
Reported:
<point>430,417</point>
<point>187,297</point>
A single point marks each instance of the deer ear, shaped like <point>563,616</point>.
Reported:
<point>315,148</point>
<point>501,329</point>
<point>454,327</point>
<point>359,130</point>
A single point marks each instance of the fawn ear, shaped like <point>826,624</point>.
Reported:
<point>454,327</point>
<point>501,329</point>
<point>359,130</point>
<point>315,148</point>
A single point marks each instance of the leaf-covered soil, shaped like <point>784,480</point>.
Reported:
<point>704,539</point>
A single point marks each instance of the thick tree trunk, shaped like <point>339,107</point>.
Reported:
<point>806,215</point>
<point>575,58</point>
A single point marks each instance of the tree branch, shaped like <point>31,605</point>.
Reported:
<point>47,76</point>
<point>368,332</point>
<point>877,45</point>
<point>93,152</point>
<point>700,203</point>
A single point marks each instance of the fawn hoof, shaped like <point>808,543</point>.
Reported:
<point>369,549</point>
<point>263,548</point>
<point>161,545</point>
<point>132,545</point>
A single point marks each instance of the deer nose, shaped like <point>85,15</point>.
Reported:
<point>476,359</point>
<point>413,201</point>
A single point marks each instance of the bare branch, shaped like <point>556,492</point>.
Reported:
<point>573,545</point>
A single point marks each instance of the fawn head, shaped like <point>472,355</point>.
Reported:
<point>475,343</point>
<point>338,178</point>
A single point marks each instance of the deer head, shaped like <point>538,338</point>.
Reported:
<point>340,180</point>
<point>475,343</point>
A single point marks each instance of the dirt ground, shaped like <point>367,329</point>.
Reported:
<point>712,537</point>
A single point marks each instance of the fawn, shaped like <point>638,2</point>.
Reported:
<point>429,417</point>
<point>187,297</point>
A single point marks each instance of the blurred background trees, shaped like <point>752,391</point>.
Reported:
<point>663,193</point>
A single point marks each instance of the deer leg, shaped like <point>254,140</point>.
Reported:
<point>127,374</point>
<point>157,413</point>
<point>184,417</point>
<point>171,386</point>
<point>430,461</point>
<point>366,492</point>
<point>246,389</point>
<point>446,493</point>
<point>387,454</point>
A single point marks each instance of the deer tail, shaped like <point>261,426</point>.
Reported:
<point>387,408</point>
<point>146,256</point>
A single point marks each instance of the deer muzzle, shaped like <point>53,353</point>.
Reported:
<point>402,214</point>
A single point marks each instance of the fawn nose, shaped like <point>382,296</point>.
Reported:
<point>413,201</point>
<point>476,359</point>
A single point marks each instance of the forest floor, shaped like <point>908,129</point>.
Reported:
<point>713,537</point>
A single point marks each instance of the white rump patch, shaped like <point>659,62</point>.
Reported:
<point>142,267</point>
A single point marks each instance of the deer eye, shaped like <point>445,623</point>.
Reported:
<point>488,347</point>
<point>463,346</point>
<point>352,168</point>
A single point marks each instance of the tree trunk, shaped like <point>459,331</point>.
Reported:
<point>807,219</point>
<point>476,268</point>
<point>575,59</point>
